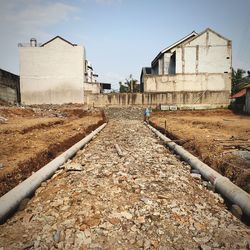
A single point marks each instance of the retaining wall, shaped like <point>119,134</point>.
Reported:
<point>213,99</point>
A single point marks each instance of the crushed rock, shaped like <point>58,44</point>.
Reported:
<point>146,199</point>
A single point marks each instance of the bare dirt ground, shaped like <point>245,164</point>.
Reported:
<point>32,136</point>
<point>219,138</point>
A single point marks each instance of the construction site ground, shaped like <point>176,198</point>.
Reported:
<point>145,198</point>
<point>30,137</point>
<point>220,138</point>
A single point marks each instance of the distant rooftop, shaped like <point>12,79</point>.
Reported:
<point>28,45</point>
<point>33,42</point>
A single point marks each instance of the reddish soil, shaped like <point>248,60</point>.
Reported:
<point>216,137</point>
<point>33,136</point>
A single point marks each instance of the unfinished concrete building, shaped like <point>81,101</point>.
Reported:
<point>52,72</point>
<point>196,63</point>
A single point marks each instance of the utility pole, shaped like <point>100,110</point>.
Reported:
<point>131,83</point>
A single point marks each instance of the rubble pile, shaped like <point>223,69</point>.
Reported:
<point>144,198</point>
<point>128,113</point>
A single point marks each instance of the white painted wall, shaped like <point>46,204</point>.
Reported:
<point>214,55</point>
<point>52,74</point>
<point>187,82</point>
<point>190,60</point>
<point>166,61</point>
<point>160,69</point>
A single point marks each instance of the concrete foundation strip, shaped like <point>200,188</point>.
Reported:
<point>222,184</point>
<point>10,201</point>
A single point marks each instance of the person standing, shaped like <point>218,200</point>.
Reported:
<point>147,115</point>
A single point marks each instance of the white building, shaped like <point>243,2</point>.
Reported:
<point>90,76</point>
<point>198,62</point>
<point>51,73</point>
<point>91,85</point>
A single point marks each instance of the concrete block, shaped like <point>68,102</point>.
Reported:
<point>186,107</point>
<point>173,108</point>
<point>202,107</point>
<point>165,107</point>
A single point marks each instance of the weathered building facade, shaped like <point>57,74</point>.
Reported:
<point>247,105</point>
<point>51,73</point>
<point>198,62</point>
<point>9,87</point>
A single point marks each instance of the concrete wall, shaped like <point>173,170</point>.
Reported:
<point>9,87</point>
<point>207,53</point>
<point>247,104</point>
<point>188,82</point>
<point>166,60</point>
<point>94,88</point>
<point>52,74</point>
<point>208,99</point>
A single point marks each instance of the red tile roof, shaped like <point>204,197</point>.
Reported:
<point>241,92</point>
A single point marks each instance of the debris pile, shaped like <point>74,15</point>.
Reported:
<point>128,113</point>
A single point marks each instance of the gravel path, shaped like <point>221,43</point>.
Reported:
<point>146,199</point>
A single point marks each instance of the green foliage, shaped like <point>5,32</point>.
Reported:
<point>239,80</point>
<point>123,88</point>
<point>129,86</point>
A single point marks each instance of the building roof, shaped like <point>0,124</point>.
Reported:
<point>192,34</point>
<point>59,38</point>
<point>239,94</point>
<point>242,92</point>
<point>204,31</point>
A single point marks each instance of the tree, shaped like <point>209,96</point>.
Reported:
<point>239,80</point>
<point>129,86</point>
<point>123,88</point>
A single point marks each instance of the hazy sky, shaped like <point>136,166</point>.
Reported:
<point>121,36</point>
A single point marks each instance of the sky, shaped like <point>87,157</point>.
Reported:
<point>121,36</point>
